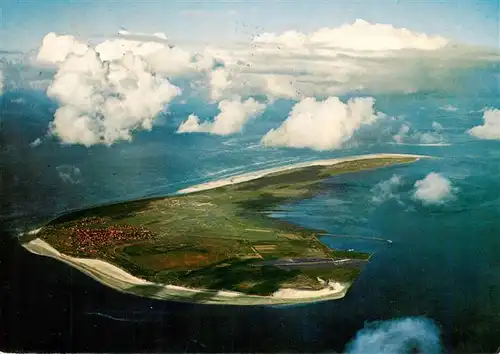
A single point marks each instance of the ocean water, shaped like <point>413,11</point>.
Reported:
<point>439,280</point>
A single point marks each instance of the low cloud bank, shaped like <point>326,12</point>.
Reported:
<point>490,129</point>
<point>234,114</point>
<point>361,56</point>
<point>408,135</point>
<point>359,36</point>
<point>104,102</point>
<point>407,335</point>
<point>322,125</point>
<point>434,189</point>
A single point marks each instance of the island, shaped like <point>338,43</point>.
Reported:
<point>214,243</point>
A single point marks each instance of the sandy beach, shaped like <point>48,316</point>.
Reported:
<point>119,279</point>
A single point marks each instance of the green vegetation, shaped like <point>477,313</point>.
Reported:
<point>216,239</point>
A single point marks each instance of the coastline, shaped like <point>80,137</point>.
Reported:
<point>245,177</point>
<point>119,279</point>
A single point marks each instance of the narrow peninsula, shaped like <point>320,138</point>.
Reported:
<point>214,243</point>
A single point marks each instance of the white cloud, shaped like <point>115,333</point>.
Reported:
<point>192,125</point>
<point>55,49</point>
<point>69,174</point>
<point>103,102</point>
<point>401,134</point>
<point>373,58</point>
<point>233,115</point>
<point>403,335</point>
<point>491,127</point>
<point>153,49</point>
<point>430,138</point>
<point>322,125</point>
<point>434,189</point>
<point>386,190</point>
<point>359,36</point>
<point>407,135</point>
<point>437,126</point>
<point>220,81</point>
<point>35,142</point>
<point>161,57</point>
<point>158,36</point>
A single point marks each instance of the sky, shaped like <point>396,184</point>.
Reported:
<point>23,23</point>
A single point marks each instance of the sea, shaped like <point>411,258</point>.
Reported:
<point>435,287</point>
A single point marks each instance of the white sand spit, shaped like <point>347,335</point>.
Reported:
<point>258,174</point>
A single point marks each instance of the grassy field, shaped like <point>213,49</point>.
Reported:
<point>217,238</point>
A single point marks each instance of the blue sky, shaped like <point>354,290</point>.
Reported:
<point>24,23</point>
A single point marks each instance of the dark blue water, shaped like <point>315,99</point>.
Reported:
<point>444,262</point>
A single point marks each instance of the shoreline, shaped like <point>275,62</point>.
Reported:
<point>119,279</point>
<point>248,176</point>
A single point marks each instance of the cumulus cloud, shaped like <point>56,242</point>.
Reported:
<point>35,142</point>
<point>402,133</point>
<point>153,49</point>
<point>367,57</point>
<point>407,135</point>
<point>103,102</point>
<point>490,128</point>
<point>161,57</point>
<point>220,81</point>
<point>69,174</point>
<point>233,115</point>
<point>55,49</point>
<point>386,190</point>
<point>434,189</point>
<point>322,125</point>
<point>406,335</point>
